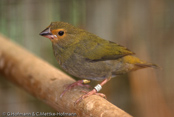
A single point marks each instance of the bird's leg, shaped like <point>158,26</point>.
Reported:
<point>96,89</point>
<point>81,83</point>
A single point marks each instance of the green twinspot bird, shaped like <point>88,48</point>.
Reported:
<point>87,56</point>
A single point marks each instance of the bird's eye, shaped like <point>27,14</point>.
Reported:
<point>60,33</point>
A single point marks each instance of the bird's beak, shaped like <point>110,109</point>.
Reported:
<point>47,33</point>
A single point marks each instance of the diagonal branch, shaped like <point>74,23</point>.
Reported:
<point>46,83</point>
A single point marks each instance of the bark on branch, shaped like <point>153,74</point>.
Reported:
<point>47,83</point>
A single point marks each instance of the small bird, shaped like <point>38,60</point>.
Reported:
<point>89,57</point>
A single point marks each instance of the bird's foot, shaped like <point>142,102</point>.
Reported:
<point>93,92</point>
<point>82,83</point>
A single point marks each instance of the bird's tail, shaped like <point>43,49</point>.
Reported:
<point>144,65</point>
<point>138,64</point>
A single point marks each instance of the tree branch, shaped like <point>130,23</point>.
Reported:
<point>46,83</point>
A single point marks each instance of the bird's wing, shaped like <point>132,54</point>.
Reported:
<point>100,50</point>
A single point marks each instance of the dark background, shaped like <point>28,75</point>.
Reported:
<point>144,26</point>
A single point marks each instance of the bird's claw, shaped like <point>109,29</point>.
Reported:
<point>70,86</point>
<point>93,92</point>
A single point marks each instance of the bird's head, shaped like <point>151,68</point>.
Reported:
<point>61,32</point>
